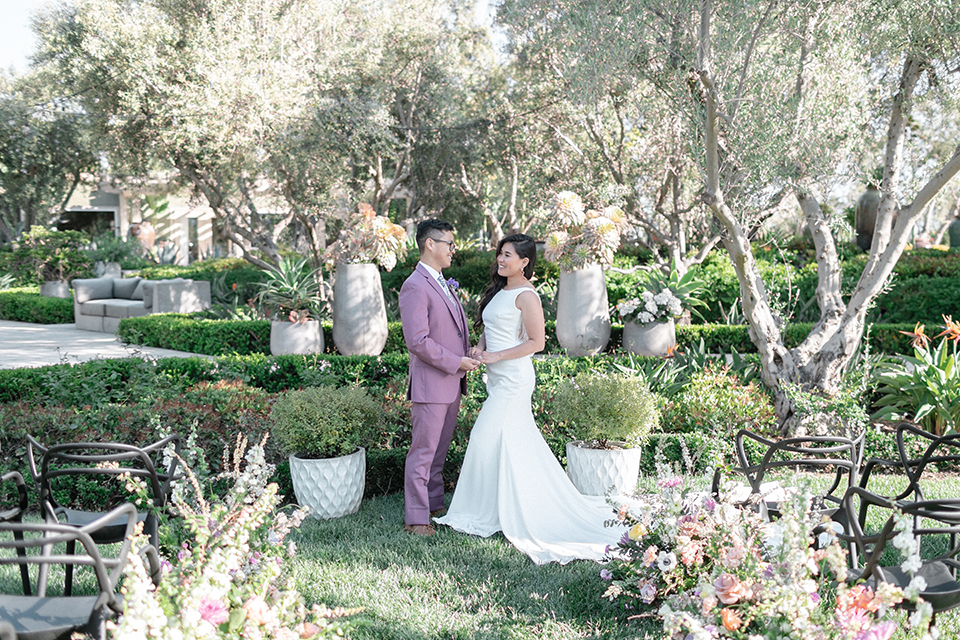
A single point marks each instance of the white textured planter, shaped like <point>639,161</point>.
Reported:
<point>359,313</point>
<point>330,487</point>
<point>583,314</point>
<point>650,339</point>
<point>594,471</point>
<point>55,289</point>
<point>296,338</point>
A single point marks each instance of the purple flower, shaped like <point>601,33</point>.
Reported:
<point>625,539</point>
<point>815,597</point>
<point>606,574</point>
<point>452,284</point>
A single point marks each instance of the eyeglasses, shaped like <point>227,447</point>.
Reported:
<point>453,245</point>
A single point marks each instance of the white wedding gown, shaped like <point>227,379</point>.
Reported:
<point>510,480</point>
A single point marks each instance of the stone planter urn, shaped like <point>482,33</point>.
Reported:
<point>330,487</point>
<point>583,314</point>
<point>55,289</point>
<point>597,472</point>
<point>107,269</point>
<point>359,312</point>
<point>296,338</point>
<point>650,339</point>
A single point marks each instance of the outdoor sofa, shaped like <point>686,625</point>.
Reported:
<point>100,303</point>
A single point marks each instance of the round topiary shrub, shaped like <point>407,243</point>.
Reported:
<point>325,422</point>
<point>600,407</point>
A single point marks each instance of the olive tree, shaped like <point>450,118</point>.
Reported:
<point>784,99</point>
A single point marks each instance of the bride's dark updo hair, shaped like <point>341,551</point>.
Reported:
<point>526,247</point>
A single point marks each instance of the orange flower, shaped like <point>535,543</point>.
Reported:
<point>858,598</point>
<point>731,619</point>
<point>920,339</point>
<point>951,331</point>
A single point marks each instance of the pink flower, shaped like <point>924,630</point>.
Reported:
<point>258,610</point>
<point>648,591</point>
<point>670,483</point>
<point>213,611</point>
<point>733,557</point>
<point>881,631</point>
<point>729,588</point>
<point>650,556</point>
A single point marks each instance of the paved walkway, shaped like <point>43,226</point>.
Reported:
<point>34,345</point>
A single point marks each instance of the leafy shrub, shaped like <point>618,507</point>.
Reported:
<point>920,299</point>
<point>716,402</point>
<point>25,304</point>
<point>325,422</point>
<point>43,254</point>
<point>597,407</point>
<point>108,247</point>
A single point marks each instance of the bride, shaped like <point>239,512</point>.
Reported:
<point>510,480</point>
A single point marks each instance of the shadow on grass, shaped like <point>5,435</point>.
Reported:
<point>450,585</point>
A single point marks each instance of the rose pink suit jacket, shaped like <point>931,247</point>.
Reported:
<point>436,333</point>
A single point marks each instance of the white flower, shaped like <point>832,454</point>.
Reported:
<point>643,317</point>
<point>666,562</point>
<point>922,615</point>
<point>917,584</point>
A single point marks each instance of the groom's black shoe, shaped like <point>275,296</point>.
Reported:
<point>438,513</point>
<point>420,529</point>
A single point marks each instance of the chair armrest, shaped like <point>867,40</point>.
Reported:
<point>152,560</point>
<point>21,488</point>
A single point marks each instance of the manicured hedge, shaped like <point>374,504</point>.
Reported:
<point>27,305</point>
<point>185,332</point>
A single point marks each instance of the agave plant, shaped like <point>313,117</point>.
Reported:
<point>291,290</point>
<point>926,385</point>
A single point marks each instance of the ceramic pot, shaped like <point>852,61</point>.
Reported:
<point>107,269</point>
<point>597,472</point>
<point>650,339</point>
<point>583,314</point>
<point>359,312</point>
<point>330,487</point>
<point>55,289</point>
<point>296,338</point>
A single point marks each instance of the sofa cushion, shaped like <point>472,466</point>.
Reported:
<point>124,287</point>
<point>138,292</point>
<point>92,289</point>
<point>93,308</point>
<point>119,308</point>
<point>147,291</point>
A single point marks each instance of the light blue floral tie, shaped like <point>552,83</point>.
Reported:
<point>446,289</point>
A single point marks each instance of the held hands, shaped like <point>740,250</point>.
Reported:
<point>489,357</point>
<point>468,363</point>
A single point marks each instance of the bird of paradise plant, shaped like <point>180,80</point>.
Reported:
<point>926,385</point>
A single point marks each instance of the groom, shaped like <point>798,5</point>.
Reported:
<point>435,330</point>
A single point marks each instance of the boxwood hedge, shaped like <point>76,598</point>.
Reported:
<point>25,304</point>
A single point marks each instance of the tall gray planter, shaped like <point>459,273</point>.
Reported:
<point>55,289</point>
<point>296,338</point>
<point>359,312</point>
<point>583,314</point>
<point>650,339</point>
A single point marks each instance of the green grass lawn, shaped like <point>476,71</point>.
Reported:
<point>458,586</point>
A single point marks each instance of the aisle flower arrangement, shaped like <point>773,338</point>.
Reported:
<point>228,579</point>
<point>578,237</point>
<point>709,570</point>
<point>367,237</point>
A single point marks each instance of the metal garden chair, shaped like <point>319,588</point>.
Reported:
<point>62,466</point>
<point>14,513</point>
<point>45,617</point>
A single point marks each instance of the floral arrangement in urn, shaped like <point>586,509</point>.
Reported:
<point>367,237</point>
<point>662,298</point>
<point>710,569</point>
<point>228,579</point>
<point>579,237</point>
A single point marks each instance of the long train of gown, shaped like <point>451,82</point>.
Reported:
<point>510,480</point>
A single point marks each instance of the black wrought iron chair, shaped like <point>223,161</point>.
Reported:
<point>14,513</point>
<point>65,464</point>
<point>759,456</point>
<point>935,522</point>
<point>43,617</point>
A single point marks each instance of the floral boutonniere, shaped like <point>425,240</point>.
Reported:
<point>452,284</point>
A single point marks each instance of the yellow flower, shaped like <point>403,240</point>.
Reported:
<point>638,531</point>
